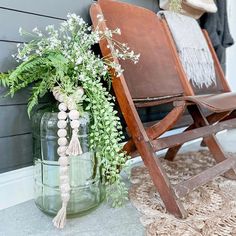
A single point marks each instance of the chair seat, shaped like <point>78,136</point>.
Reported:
<point>215,102</point>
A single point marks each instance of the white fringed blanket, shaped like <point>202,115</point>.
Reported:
<point>192,48</point>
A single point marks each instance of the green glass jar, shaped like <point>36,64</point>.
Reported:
<point>86,189</point>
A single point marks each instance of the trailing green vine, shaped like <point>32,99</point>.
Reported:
<point>64,58</point>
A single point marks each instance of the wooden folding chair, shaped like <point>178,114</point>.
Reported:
<point>157,79</point>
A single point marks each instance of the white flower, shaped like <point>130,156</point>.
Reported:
<point>81,77</point>
<point>35,30</point>
<point>79,61</point>
<point>49,27</point>
<point>100,17</point>
<point>81,21</point>
<point>20,31</point>
<point>68,15</point>
<point>73,15</point>
<point>108,33</point>
<point>117,31</point>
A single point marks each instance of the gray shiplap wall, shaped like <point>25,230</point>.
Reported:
<point>15,130</point>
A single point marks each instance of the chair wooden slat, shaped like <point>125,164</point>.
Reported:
<point>185,187</point>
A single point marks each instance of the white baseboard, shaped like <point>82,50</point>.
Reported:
<point>16,187</point>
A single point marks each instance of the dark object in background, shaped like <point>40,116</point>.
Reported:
<point>217,27</point>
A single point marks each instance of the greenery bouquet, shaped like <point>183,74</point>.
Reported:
<point>61,60</point>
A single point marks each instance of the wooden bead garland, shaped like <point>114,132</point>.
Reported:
<point>60,219</point>
<point>73,149</point>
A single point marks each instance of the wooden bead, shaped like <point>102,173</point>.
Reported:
<point>74,124</point>
<point>61,98</point>
<point>63,161</point>
<point>80,91</point>
<point>65,197</point>
<point>62,115</point>
<point>62,141</point>
<point>56,95</point>
<point>61,133</point>
<point>64,179</point>
<point>71,106</point>
<point>62,107</point>
<point>61,124</point>
<point>63,170</point>
<point>74,115</point>
<point>78,94</point>
<point>65,188</point>
<point>61,151</point>
<point>56,89</point>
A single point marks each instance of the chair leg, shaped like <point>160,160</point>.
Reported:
<point>143,144</point>
<point>218,153</point>
<point>172,152</point>
<point>211,141</point>
<point>160,179</point>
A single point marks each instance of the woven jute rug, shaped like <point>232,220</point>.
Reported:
<point>211,208</point>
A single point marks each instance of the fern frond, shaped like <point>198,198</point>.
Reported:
<point>60,63</point>
<point>38,91</point>
<point>28,72</point>
<point>27,67</point>
<point>4,79</point>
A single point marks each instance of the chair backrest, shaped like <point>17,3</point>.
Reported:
<point>155,75</point>
<point>158,72</point>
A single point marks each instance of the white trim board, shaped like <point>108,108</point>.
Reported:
<point>16,187</point>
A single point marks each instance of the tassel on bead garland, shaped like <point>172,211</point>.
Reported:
<point>74,148</point>
<point>59,220</point>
